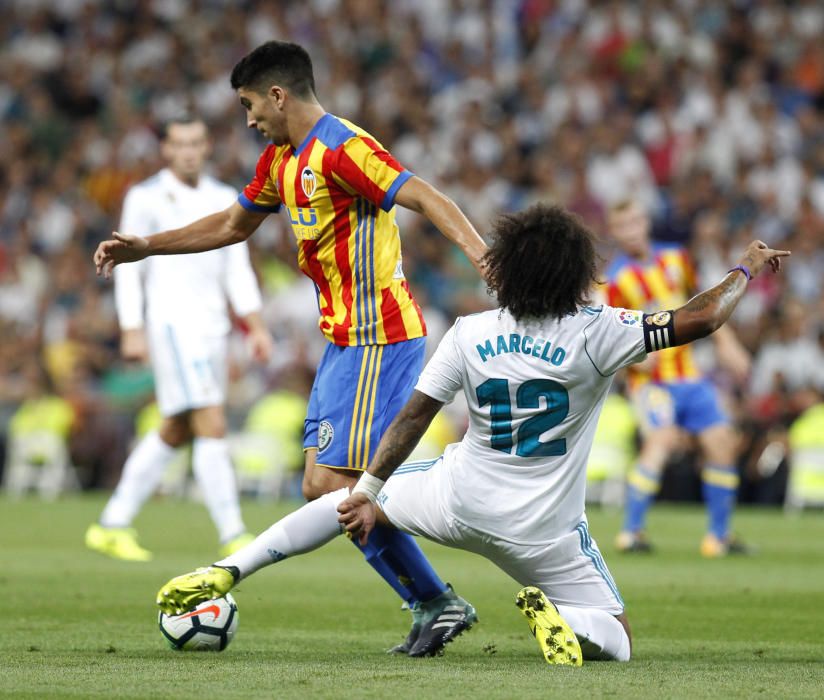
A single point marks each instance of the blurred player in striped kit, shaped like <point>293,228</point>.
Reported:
<point>174,311</point>
<point>339,187</point>
<point>669,391</point>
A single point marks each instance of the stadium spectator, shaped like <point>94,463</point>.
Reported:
<point>733,79</point>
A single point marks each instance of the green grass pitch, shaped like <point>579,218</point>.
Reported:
<point>78,625</point>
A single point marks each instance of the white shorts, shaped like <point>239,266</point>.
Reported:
<point>189,368</point>
<point>570,569</point>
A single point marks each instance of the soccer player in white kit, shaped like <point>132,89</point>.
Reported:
<point>535,373</point>
<point>174,310</point>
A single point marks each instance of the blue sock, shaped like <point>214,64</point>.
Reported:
<point>399,560</point>
<point>720,488</point>
<point>642,485</point>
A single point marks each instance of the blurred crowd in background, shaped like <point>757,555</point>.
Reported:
<point>711,114</point>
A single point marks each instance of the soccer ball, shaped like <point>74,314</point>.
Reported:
<point>208,627</point>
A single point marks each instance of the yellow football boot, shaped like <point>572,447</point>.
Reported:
<point>713,547</point>
<point>558,642</point>
<point>632,542</point>
<point>116,542</point>
<point>184,592</point>
<point>236,543</point>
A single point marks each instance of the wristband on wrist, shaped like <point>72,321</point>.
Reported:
<point>741,268</point>
<point>369,486</point>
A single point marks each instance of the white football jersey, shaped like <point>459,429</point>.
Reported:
<point>182,290</point>
<point>535,391</point>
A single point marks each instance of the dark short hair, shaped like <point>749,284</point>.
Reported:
<point>182,118</point>
<point>276,63</point>
<point>542,262</point>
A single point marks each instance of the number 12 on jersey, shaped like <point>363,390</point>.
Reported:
<point>495,392</point>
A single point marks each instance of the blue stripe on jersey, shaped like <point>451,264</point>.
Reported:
<point>330,131</point>
<point>373,215</point>
<point>588,549</point>
<point>249,205</point>
<point>389,198</point>
<point>358,281</point>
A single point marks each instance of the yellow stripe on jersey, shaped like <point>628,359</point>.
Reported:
<point>355,410</point>
<point>372,408</point>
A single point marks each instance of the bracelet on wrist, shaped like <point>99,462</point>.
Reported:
<point>741,268</point>
<point>369,486</point>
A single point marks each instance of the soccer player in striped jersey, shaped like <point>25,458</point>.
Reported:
<point>669,391</point>
<point>339,186</point>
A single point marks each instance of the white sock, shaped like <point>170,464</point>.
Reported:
<point>601,635</point>
<point>301,531</point>
<point>215,475</point>
<point>141,474</point>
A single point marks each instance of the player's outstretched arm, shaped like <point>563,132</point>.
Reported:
<point>419,196</point>
<point>357,513</point>
<point>223,228</point>
<point>708,311</point>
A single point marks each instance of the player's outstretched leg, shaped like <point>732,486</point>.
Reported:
<point>440,620</point>
<point>303,530</point>
<point>184,592</point>
<point>557,641</point>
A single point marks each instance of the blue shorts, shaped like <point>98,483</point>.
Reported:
<point>693,406</point>
<point>356,394</point>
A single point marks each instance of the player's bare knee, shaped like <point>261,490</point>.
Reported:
<point>622,618</point>
<point>321,480</point>
<point>175,431</point>
<point>209,422</point>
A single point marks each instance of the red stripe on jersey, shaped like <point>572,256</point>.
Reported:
<point>680,370</point>
<point>340,202</point>
<point>405,285</point>
<point>392,318</point>
<point>614,297</point>
<point>310,256</point>
<point>279,181</point>
<point>355,177</point>
<point>382,153</point>
<point>264,164</point>
<point>672,285</point>
<point>639,275</point>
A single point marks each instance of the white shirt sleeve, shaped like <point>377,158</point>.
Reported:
<point>615,339</point>
<point>442,377</point>
<point>240,283</point>
<point>129,297</point>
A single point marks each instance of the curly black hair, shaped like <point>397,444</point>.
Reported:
<point>276,63</point>
<point>542,262</point>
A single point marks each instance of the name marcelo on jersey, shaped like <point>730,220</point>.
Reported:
<point>526,345</point>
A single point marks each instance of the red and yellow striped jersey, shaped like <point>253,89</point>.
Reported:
<point>664,281</point>
<point>339,189</point>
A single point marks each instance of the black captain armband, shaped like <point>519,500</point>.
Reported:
<point>658,330</point>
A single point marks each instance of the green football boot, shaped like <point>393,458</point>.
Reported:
<point>441,620</point>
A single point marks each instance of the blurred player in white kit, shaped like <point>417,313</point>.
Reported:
<point>174,311</point>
